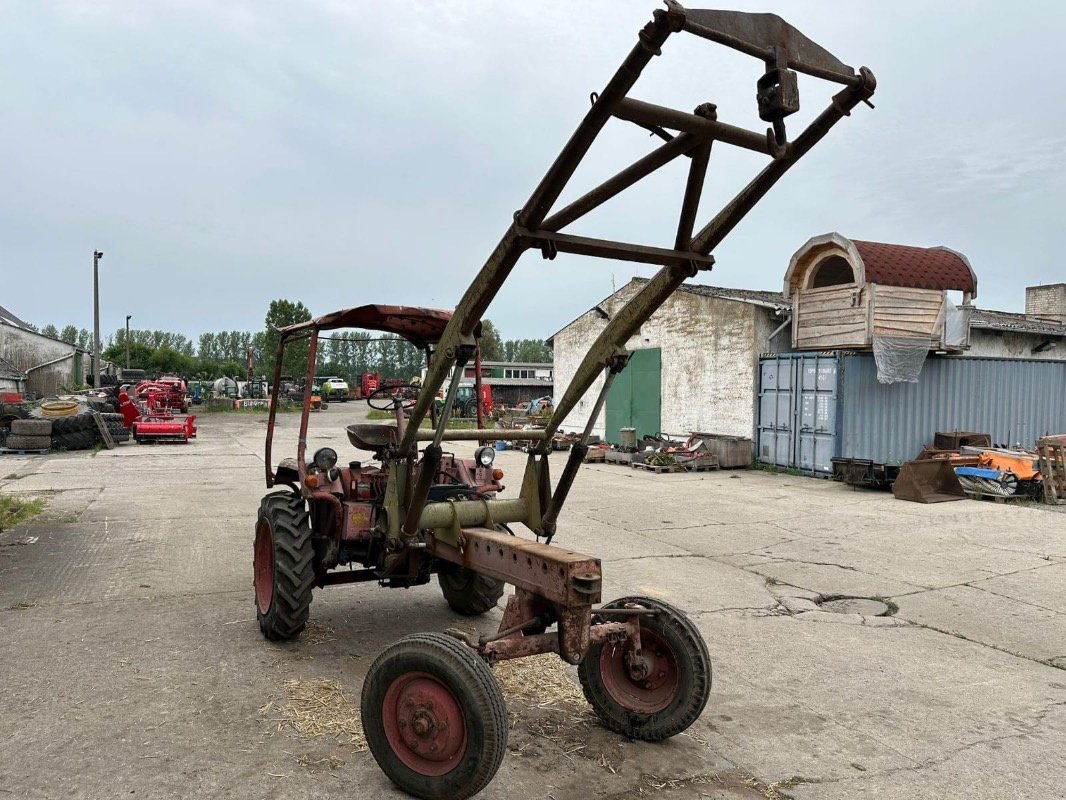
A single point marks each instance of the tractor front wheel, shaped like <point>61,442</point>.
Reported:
<point>468,592</point>
<point>434,717</point>
<point>283,566</point>
<point>657,693</point>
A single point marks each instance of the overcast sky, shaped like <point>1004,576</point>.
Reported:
<point>223,154</point>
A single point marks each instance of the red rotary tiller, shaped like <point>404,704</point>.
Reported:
<point>152,419</point>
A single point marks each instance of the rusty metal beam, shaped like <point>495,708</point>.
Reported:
<point>471,435</point>
<point>697,173</point>
<point>645,114</point>
<point>604,248</point>
<point>559,576</point>
<point>615,185</point>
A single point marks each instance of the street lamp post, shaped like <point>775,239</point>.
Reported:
<point>97,255</point>
<point>128,317</point>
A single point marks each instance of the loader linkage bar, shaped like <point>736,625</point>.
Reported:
<point>767,37</point>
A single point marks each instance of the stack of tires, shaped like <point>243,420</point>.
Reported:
<point>79,431</point>
<point>115,426</point>
<point>9,412</point>
<point>29,434</point>
<point>74,431</point>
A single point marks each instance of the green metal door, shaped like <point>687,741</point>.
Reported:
<point>635,399</point>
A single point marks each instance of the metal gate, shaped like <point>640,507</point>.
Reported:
<point>798,411</point>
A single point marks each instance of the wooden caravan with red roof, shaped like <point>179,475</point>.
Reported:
<point>845,292</point>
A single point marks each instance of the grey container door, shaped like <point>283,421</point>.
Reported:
<point>816,414</point>
<point>776,411</point>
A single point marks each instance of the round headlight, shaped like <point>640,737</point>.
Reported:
<point>325,458</point>
<point>484,456</point>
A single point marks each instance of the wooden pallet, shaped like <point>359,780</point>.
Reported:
<point>658,469</point>
<point>701,463</point>
<point>1052,463</point>
<point>105,434</point>
<point>699,467</point>
<point>7,451</point>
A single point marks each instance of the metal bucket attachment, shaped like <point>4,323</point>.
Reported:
<point>930,481</point>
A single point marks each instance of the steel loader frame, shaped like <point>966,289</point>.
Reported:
<point>784,50</point>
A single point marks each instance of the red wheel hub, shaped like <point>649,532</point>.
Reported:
<point>264,566</point>
<point>424,724</point>
<point>644,684</point>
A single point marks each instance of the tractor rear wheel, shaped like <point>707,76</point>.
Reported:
<point>282,566</point>
<point>468,592</point>
<point>434,717</point>
<point>662,692</point>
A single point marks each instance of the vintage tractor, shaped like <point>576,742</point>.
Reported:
<point>433,714</point>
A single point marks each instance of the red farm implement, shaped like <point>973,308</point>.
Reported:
<point>433,714</point>
<point>152,420</point>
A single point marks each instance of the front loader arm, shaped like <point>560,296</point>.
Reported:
<point>767,37</point>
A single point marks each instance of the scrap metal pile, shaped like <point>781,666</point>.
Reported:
<point>961,464</point>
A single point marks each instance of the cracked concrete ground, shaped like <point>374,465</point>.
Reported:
<point>133,664</point>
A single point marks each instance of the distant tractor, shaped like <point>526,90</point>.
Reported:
<point>466,401</point>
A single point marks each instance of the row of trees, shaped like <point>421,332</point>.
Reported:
<point>347,354</point>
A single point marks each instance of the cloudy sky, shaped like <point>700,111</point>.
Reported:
<point>339,153</point>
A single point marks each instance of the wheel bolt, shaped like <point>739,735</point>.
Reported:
<point>413,744</point>
<point>433,748</point>
<point>662,674</point>
<point>647,684</point>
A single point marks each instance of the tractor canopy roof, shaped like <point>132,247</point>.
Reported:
<point>420,326</point>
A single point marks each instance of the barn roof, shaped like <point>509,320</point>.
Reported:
<point>988,319</point>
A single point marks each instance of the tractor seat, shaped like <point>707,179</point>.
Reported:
<point>373,436</point>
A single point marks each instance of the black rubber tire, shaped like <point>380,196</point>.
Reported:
<point>693,668</point>
<point>476,692</point>
<point>285,517</point>
<point>119,434</point>
<point>468,592</point>
<point>118,431</point>
<point>31,427</point>
<point>16,441</point>
<point>75,440</point>
<point>75,422</point>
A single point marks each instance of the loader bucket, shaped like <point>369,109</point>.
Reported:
<point>929,481</point>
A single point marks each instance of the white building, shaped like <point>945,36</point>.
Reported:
<point>695,364</point>
<point>48,365</point>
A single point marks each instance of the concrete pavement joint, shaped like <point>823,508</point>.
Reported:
<point>1050,662</point>
<point>970,583</point>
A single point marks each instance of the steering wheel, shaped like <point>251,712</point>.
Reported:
<point>402,396</point>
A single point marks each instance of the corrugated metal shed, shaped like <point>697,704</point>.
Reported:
<point>1014,400</point>
<point>815,407</point>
